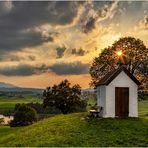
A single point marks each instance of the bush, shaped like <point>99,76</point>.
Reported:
<point>23,116</point>
<point>142,95</point>
<point>2,120</point>
<point>40,109</point>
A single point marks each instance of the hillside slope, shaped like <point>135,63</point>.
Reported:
<point>73,130</point>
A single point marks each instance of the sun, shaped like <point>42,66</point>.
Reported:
<point>119,53</point>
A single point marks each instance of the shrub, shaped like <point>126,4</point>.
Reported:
<point>23,116</point>
<point>142,95</point>
<point>2,120</point>
<point>40,109</point>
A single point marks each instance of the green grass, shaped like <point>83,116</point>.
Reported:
<point>73,130</point>
<point>10,102</point>
<point>6,130</point>
<point>143,108</point>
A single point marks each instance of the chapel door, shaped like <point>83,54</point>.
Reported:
<point>121,101</point>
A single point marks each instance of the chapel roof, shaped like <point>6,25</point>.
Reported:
<point>114,73</point>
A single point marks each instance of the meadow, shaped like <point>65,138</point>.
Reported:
<point>7,104</point>
<point>76,130</point>
<point>143,108</point>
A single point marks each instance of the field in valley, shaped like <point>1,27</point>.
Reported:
<point>7,103</point>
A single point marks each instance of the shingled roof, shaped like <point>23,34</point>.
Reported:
<point>111,75</point>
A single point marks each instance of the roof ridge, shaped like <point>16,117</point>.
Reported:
<point>112,73</point>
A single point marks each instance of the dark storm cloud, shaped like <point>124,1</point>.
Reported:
<point>21,70</point>
<point>23,15</point>
<point>35,13</point>
<point>89,26</point>
<point>17,58</point>
<point>79,52</point>
<point>32,58</point>
<point>60,51</point>
<point>14,58</point>
<point>16,40</point>
<point>100,12</point>
<point>75,68</point>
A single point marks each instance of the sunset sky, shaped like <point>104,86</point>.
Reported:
<point>42,43</point>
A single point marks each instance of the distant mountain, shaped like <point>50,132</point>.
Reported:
<point>19,90</point>
<point>6,87</point>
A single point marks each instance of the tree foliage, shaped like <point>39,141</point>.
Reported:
<point>134,58</point>
<point>39,108</point>
<point>2,121</point>
<point>64,97</point>
<point>23,116</point>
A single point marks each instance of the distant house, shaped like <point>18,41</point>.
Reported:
<point>117,94</point>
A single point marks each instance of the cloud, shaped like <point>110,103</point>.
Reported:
<point>97,12</point>
<point>16,58</point>
<point>11,40</point>
<point>127,14</point>
<point>79,52</point>
<point>22,16</point>
<point>35,13</point>
<point>89,26</point>
<point>143,24</point>
<point>23,70</point>
<point>60,51</point>
<point>74,68</point>
<point>32,58</point>
<point>20,70</point>
<point>5,7</point>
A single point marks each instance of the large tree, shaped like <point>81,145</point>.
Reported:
<point>134,58</point>
<point>64,97</point>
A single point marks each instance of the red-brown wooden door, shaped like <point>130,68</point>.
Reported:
<point>121,101</point>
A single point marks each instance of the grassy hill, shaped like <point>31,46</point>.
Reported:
<point>74,130</point>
